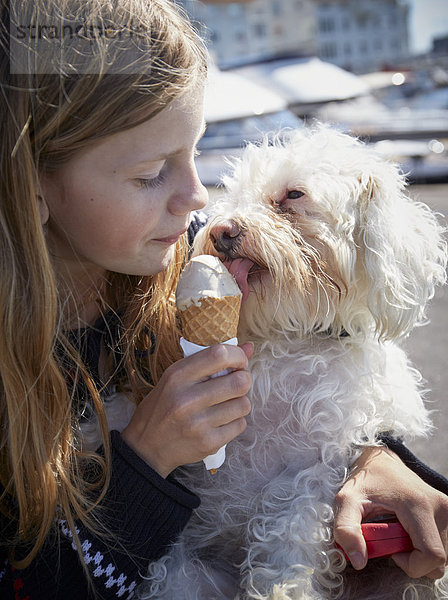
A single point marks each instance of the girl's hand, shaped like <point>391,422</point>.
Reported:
<point>188,416</point>
<point>381,483</point>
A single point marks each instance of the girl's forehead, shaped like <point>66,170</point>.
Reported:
<point>175,129</point>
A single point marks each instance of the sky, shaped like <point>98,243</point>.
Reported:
<point>429,18</point>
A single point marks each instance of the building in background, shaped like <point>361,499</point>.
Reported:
<point>440,45</point>
<point>358,35</point>
<point>363,35</point>
<point>250,31</point>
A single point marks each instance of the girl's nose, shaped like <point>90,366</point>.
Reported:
<point>191,195</point>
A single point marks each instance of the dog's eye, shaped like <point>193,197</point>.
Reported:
<point>295,194</point>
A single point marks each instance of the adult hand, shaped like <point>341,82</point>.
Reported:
<point>380,483</point>
<point>188,416</point>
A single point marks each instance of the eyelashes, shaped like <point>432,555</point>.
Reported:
<point>159,180</point>
<point>154,182</point>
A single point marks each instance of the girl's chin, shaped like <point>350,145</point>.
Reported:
<point>145,266</point>
<point>159,262</point>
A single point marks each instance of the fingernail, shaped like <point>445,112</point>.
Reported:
<point>356,559</point>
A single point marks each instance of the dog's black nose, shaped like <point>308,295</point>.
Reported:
<point>225,238</point>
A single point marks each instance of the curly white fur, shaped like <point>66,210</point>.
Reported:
<point>346,265</point>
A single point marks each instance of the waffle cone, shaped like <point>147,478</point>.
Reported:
<point>213,322</point>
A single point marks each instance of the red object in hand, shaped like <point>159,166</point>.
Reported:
<point>385,539</point>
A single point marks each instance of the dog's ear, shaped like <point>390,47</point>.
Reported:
<point>402,251</point>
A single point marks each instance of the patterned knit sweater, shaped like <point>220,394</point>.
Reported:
<point>144,512</point>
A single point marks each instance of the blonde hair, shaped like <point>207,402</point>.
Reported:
<point>47,115</point>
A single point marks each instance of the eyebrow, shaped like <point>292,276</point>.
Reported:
<point>161,157</point>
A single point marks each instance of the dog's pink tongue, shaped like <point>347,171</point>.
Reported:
<point>239,268</point>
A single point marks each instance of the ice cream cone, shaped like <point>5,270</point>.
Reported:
<point>214,321</point>
<point>208,301</point>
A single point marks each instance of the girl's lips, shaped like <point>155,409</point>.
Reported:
<point>171,239</point>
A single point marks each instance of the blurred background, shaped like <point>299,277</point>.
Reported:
<point>374,68</point>
<point>377,69</point>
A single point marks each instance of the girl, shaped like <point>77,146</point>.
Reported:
<point>101,111</point>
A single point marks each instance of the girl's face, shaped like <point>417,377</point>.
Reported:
<point>122,204</point>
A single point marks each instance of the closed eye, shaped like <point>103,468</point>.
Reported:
<point>151,183</point>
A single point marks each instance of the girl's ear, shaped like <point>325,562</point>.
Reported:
<point>43,210</point>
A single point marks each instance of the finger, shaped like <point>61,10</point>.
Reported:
<point>347,529</point>
<point>229,411</point>
<point>437,573</point>
<point>207,362</point>
<point>429,554</point>
<point>222,389</point>
<point>226,433</point>
<point>415,565</point>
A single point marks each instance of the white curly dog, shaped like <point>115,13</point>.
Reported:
<point>336,264</point>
